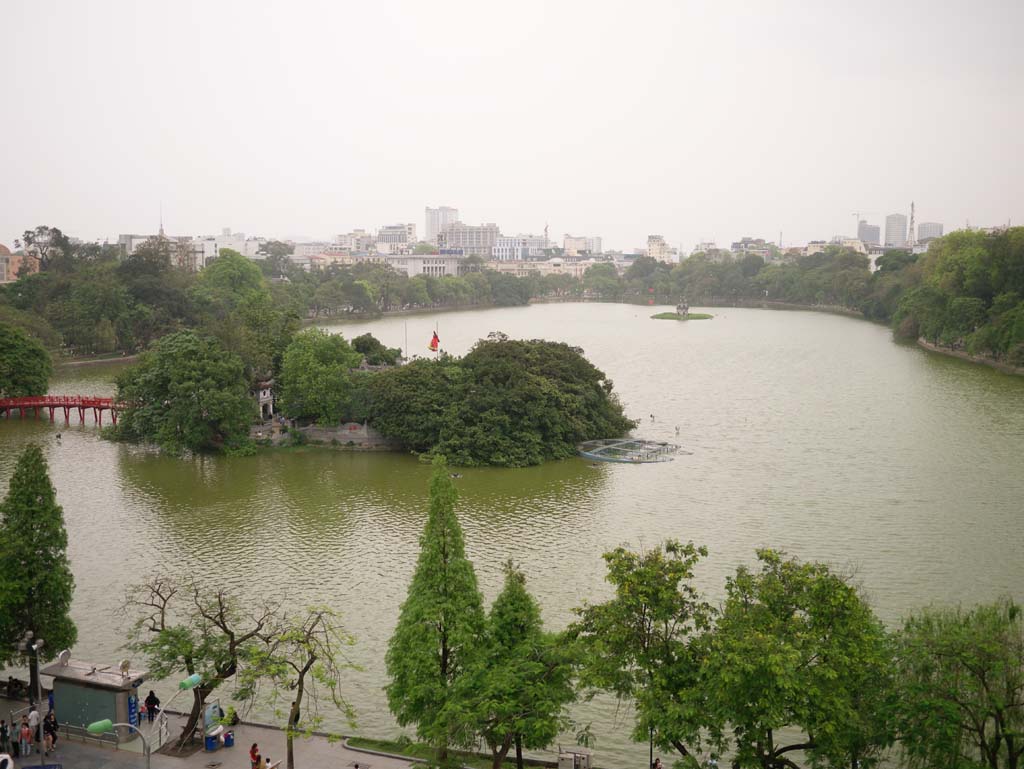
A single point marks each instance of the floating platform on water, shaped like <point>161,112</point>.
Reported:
<point>628,450</point>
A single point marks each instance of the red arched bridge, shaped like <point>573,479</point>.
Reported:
<point>82,403</point>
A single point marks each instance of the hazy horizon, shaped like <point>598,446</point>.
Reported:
<point>695,121</point>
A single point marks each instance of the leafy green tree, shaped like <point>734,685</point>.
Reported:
<point>226,282</point>
<point>316,379</point>
<point>49,245</point>
<point>374,351</point>
<point>36,585</point>
<point>603,280</point>
<point>412,404</point>
<point>645,645</point>
<point>303,659</point>
<point>960,677</point>
<point>186,392</point>
<point>439,626</point>
<point>425,248</point>
<point>517,689</point>
<point>182,626</point>
<point>795,646</point>
<point>509,403</point>
<point>25,365</point>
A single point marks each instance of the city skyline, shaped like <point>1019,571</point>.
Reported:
<point>696,123</point>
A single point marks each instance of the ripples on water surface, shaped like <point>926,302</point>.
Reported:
<point>812,433</point>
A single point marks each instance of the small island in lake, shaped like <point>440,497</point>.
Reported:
<point>678,316</point>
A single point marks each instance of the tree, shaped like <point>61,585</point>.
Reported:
<point>316,380</point>
<point>226,282</point>
<point>375,353</point>
<point>25,365</point>
<point>797,647</point>
<point>960,677</point>
<point>517,689</point>
<point>645,644</point>
<point>186,393</point>
<point>603,280</point>
<point>49,245</point>
<point>36,584</point>
<point>183,626</point>
<point>439,625</point>
<point>303,655</point>
<point>508,402</point>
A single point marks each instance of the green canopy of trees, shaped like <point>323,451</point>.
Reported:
<point>440,624</point>
<point>186,393</point>
<point>36,584</point>
<point>509,403</point>
<point>25,365</point>
<point>961,687</point>
<point>316,381</point>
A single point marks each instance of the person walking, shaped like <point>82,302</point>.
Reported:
<point>33,723</point>
<point>25,738</point>
<point>254,756</point>
<point>5,736</point>
<point>50,727</point>
<point>152,705</point>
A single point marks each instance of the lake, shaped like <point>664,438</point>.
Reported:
<point>808,432</point>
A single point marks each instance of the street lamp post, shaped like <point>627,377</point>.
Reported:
<point>106,725</point>
<point>24,645</point>
<point>39,696</point>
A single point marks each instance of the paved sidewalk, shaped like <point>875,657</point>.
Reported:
<point>312,753</point>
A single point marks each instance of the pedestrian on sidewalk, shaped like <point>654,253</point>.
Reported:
<point>152,705</point>
<point>33,723</point>
<point>254,756</point>
<point>50,727</point>
<point>25,742</point>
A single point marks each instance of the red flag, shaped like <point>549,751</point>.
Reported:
<point>434,343</point>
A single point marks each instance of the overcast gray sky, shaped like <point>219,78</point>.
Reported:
<point>694,120</point>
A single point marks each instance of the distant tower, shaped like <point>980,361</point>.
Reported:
<point>162,220</point>
<point>910,232</point>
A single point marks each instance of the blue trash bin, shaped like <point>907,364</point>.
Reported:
<point>229,739</point>
<point>211,744</point>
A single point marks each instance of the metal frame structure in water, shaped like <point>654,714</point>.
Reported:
<point>627,450</point>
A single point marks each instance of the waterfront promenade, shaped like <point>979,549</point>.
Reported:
<point>313,753</point>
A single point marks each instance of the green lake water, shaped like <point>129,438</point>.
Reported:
<point>808,432</point>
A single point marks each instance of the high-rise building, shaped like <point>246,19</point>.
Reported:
<point>473,240</point>
<point>658,249</point>
<point>895,231</point>
<point>868,233</point>
<point>396,238</point>
<point>927,230</point>
<point>438,219</point>
<point>574,246</point>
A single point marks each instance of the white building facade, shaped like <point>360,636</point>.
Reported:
<point>895,231</point>
<point>396,238</point>
<point>508,248</point>
<point>574,246</point>
<point>473,240</point>
<point>926,230</point>
<point>438,219</point>
<point>434,265</point>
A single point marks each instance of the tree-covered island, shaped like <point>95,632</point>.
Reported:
<point>507,402</point>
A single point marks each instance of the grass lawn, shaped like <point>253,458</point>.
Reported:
<point>427,753</point>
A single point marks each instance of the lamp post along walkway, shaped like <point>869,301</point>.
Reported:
<point>106,725</point>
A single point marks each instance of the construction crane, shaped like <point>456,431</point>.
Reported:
<point>856,218</point>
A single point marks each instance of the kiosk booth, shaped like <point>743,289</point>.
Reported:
<point>84,693</point>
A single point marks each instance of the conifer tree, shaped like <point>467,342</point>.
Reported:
<point>517,691</point>
<point>439,625</point>
<point>36,584</point>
